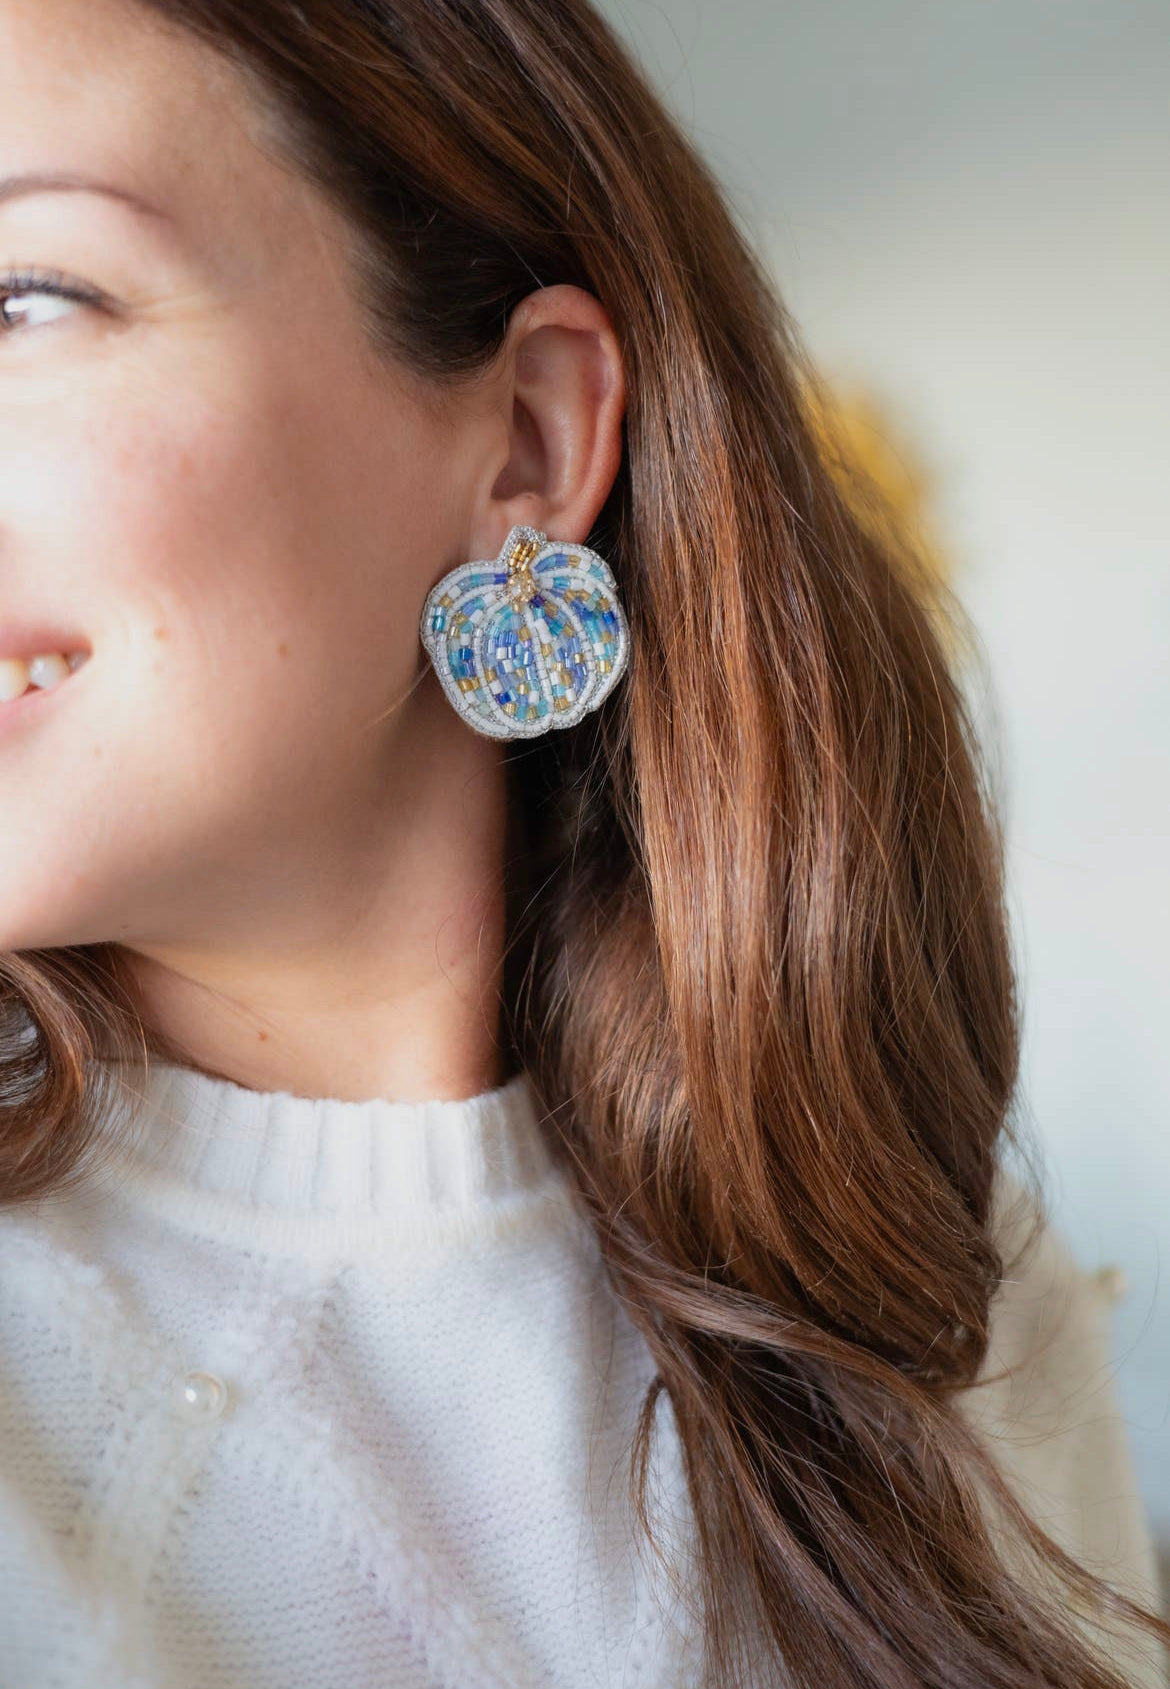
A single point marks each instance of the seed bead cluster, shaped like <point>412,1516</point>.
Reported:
<point>531,642</point>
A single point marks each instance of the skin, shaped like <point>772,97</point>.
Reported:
<point>256,786</point>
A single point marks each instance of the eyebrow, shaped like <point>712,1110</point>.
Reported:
<point>56,181</point>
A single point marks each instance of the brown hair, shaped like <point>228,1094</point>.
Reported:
<point>758,959</point>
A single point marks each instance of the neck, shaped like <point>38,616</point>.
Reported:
<point>374,972</point>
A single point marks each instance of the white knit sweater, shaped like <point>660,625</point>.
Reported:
<point>335,1395</point>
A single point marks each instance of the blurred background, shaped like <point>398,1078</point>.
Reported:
<point>965,206</point>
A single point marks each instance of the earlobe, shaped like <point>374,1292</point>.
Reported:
<point>565,392</point>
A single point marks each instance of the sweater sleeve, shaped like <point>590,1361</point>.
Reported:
<point>1054,1418</point>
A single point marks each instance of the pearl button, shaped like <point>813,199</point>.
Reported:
<point>200,1395</point>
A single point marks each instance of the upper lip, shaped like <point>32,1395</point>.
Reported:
<point>25,640</point>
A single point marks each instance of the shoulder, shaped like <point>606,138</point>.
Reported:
<point>1047,1401</point>
<point>1050,1324</point>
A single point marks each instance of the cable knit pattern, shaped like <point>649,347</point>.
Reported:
<point>418,1477</point>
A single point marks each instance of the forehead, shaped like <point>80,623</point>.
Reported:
<point>110,90</point>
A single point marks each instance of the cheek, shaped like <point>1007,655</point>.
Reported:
<point>249,566</point>
<point>184,506</point>
<point>257,585</point>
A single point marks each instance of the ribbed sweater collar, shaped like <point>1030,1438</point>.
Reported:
<point>318,1173</point>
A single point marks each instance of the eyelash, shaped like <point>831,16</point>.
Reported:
<point>54,282</point>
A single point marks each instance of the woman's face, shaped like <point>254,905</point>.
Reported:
<point>207,484</point>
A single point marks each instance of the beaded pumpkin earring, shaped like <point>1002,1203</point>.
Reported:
<point>529,642</point>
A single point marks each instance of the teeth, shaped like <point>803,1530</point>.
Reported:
<point>46,669</point>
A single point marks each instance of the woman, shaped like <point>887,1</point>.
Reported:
<point>501,1143</point>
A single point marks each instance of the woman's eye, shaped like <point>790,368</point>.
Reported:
<point>19,295</point>
<point>25,318</point>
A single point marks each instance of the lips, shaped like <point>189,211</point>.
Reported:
<point>31,639</point>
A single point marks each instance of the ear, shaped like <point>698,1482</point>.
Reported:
<point>560,394</point>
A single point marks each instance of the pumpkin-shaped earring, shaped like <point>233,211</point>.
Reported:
<point>530,642</point>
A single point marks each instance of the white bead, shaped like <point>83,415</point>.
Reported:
<point>201,1395</point>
